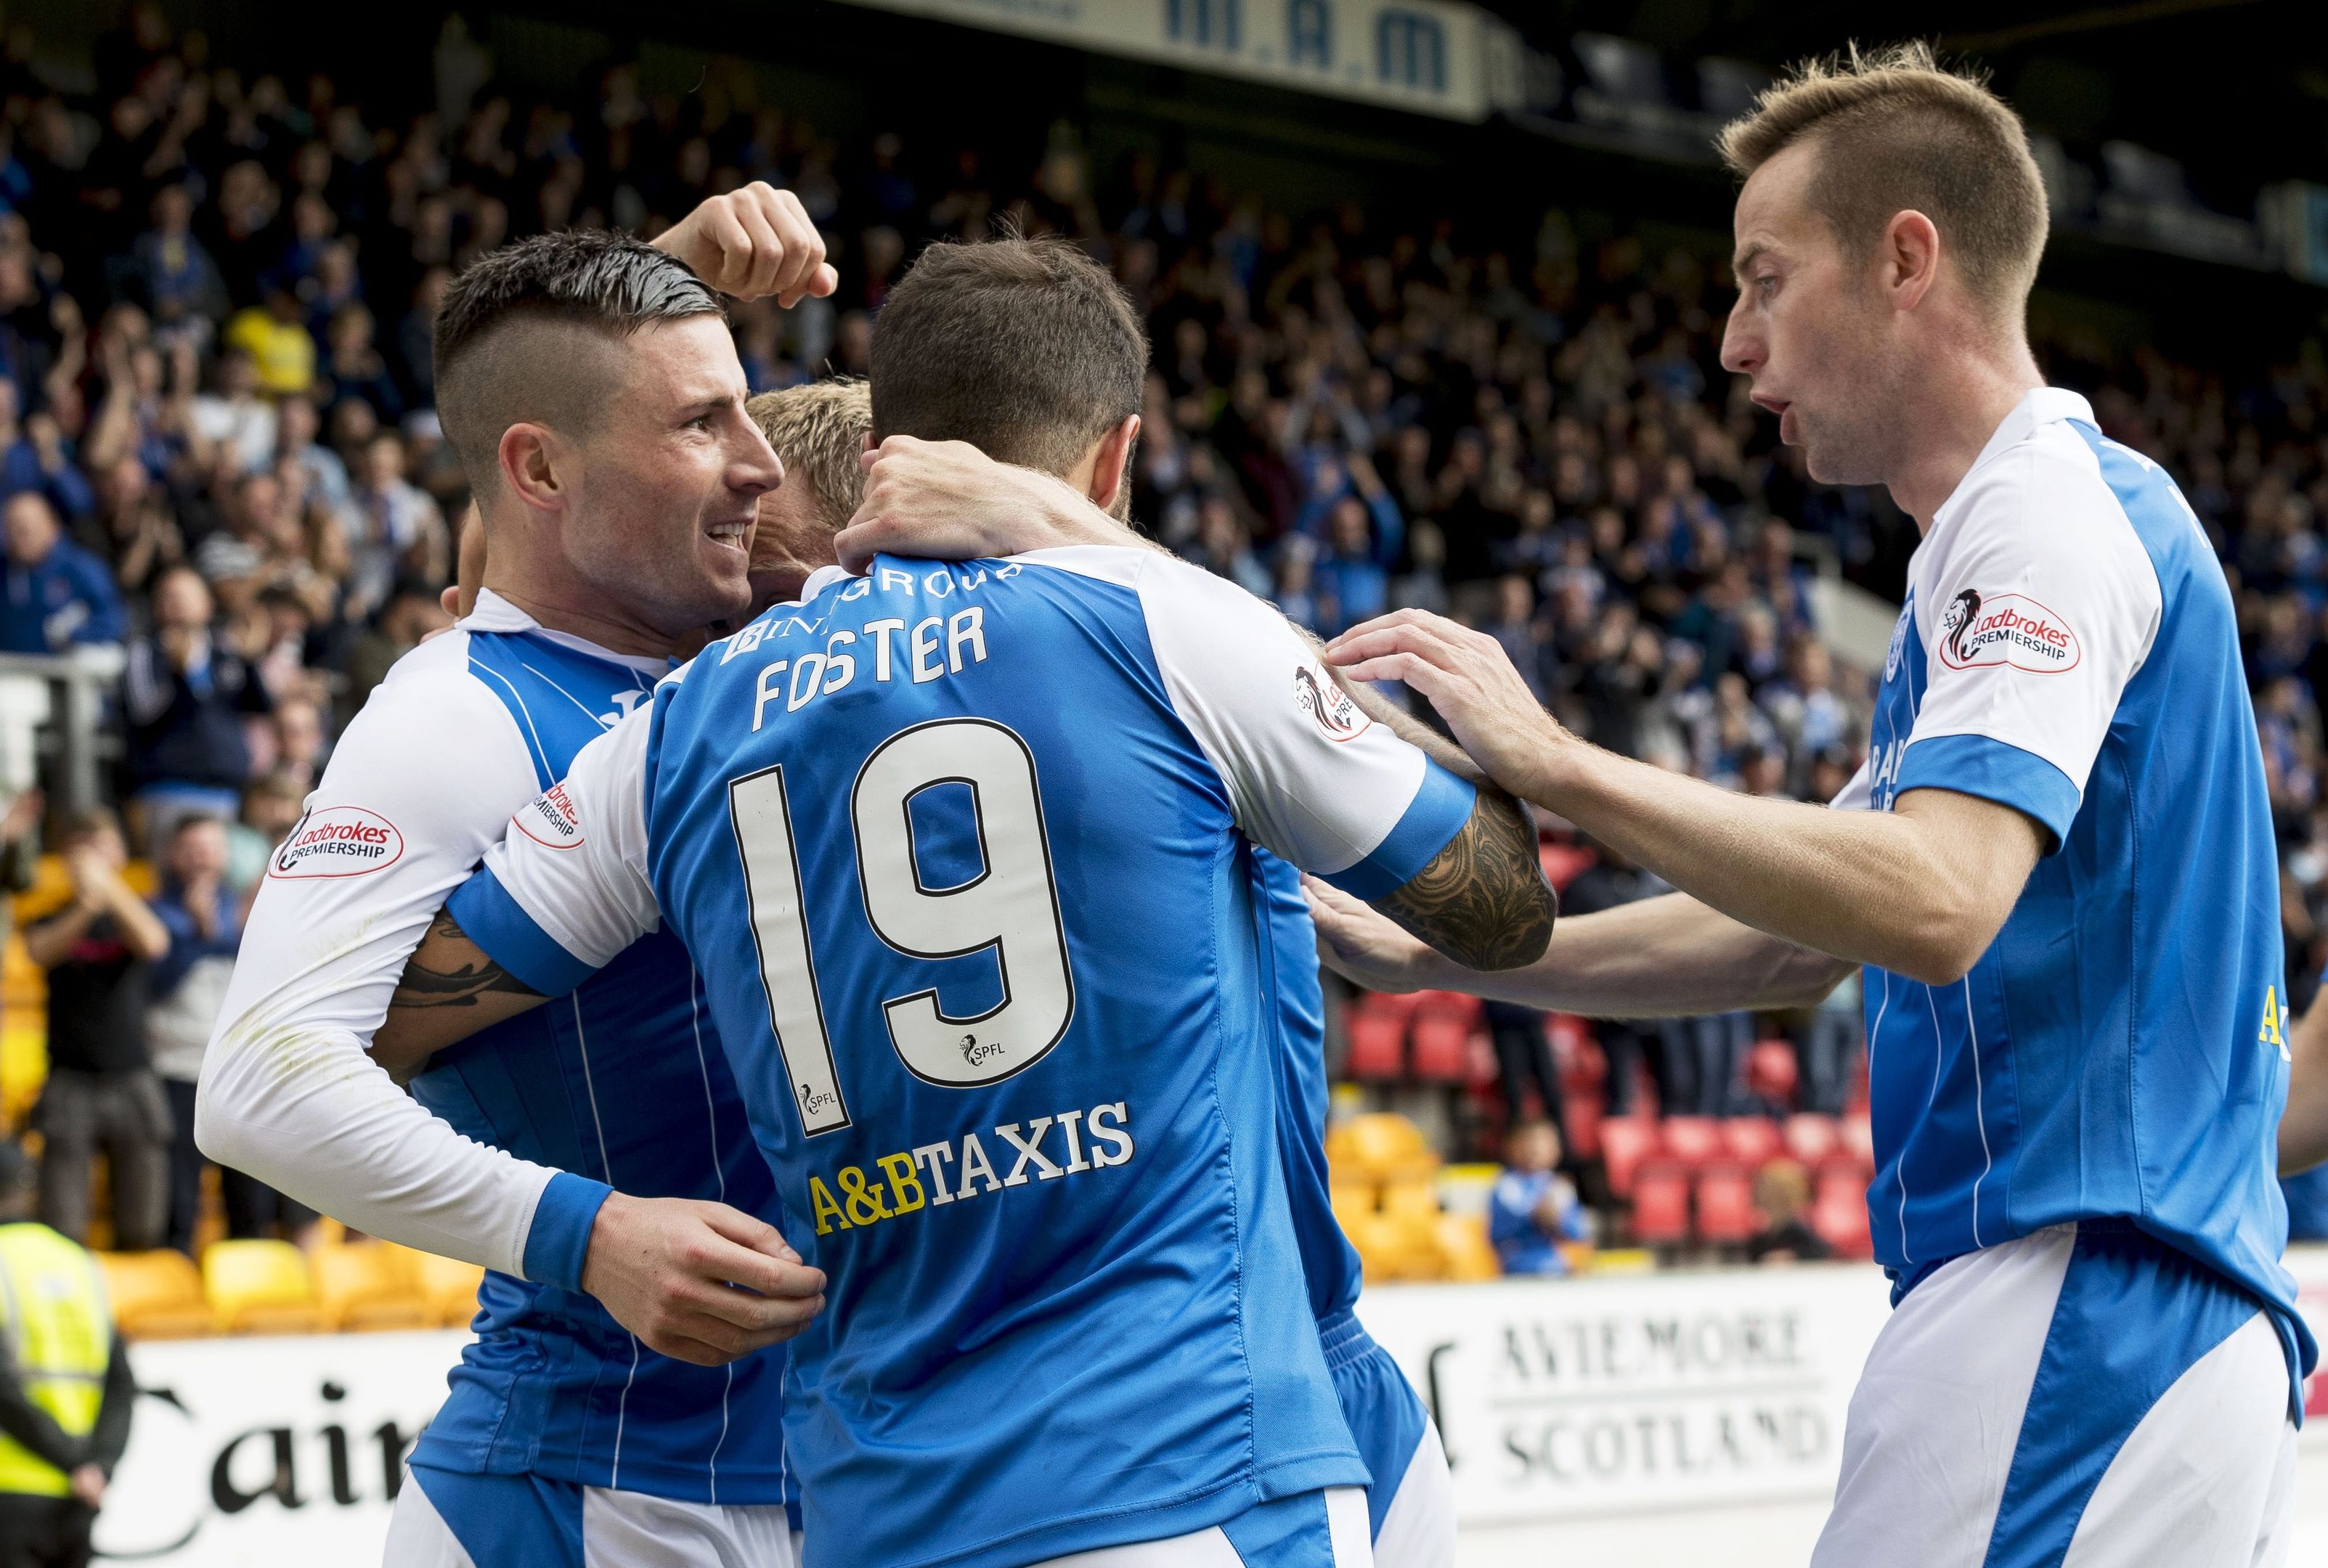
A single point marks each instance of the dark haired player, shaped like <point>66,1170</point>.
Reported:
<point>965,855</point>
<point>591,387</point>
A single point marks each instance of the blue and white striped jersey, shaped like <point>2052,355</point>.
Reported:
<point>964,855</point>
<point>2068,649</point>
<point>620,1084</point>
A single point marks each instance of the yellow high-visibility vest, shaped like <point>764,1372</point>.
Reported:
<point>57,1332</point>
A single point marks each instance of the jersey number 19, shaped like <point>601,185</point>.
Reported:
<point>1012,906</point>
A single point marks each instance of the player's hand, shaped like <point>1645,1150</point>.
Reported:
<point>1365,948</point>
<point>88,1483</point>
<point>1470,680</point>
<point>946,500</point>
<point>669,1269</point>
<point>752,242</point>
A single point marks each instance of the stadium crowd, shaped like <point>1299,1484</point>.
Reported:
<point>217,449</point>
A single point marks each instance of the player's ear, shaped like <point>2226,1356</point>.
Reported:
<point>1112,464</point>
<point>1911,257</point>
<point>533,462</point>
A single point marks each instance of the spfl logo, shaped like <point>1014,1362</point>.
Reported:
<point>975,1050</point>
<point>2008,629</point>
<point>813,1100</point>
<point>1337,718</point>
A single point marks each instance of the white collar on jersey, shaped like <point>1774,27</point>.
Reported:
<point>493,613</point>
<point>2038,405</point>
<point>822,578</point>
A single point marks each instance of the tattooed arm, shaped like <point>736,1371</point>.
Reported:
<point>1483,900</point>
<point>450,990</point>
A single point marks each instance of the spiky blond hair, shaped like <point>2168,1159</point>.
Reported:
<point>1895,130</point>
<point>818,430</point>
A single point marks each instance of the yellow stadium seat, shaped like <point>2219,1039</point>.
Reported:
<point>368,1284</point>
<point>1382,1147</point>
<point>1410,1197</point>
<point>447,1285</point>
<point>1354,1200</point>
<point>260,1287</point>
<point>1464,1248</point>
<point>156,1295</point>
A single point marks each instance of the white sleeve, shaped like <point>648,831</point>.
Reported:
<point>423,781</point>
<point>564,891</point>
<point>2039,608</point>
<point>1309,777</point>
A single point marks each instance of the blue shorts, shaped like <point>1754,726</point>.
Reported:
<point>455,1519</point>
<point>1411,1506</point>
<point>2085,1396</point>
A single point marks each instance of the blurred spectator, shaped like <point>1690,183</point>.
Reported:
<point>275,336</point>
<point>271,808</point>
<point>1782,1192</point>
<point>233,418</point>
<point>53,593</point>
<point>102,1090</point>
<point>1532,1208</point>
<point>175,277</point>
<point>1831,1048</point>
<point>35,457</point>
<point>66,1389</point>
<point>187,987</point>
<point>1524,1059</point>
<point>186,696</point>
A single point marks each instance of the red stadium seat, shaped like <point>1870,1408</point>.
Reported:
<point>1771,1071</point>
<point>1839,1218</point>
<point>1859,1137</point>
<point>1377,1039</point>
<point>1691,1140</point>
<point>1752,1140</point>
<point>1448,1003</point>
<point>1443,1046</point>
<point>1660,1203</point>
<point>1725,1205</point>
<point>1625,1143</point>
<point>1839,1180</point>
<point>1811,1137</point>
<point>1583,1116</point>
<point>1577,1056</point>
<point>1563,862</point>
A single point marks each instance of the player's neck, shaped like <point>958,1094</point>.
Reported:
<point>1952,420</point>
<point>573,613</point>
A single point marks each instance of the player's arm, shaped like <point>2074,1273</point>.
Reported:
<point>288,1094</point>
<point>2304,1125</point>
<point>450,989</point>
<point>553,905</point>
<point>1662,957</point>
<point>946,500</point>
<point>753,241</point>
<point>1310,777</point>
<point>1989,778</point>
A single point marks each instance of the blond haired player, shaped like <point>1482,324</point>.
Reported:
<point>2056,865</point>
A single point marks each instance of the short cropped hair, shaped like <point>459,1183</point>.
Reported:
<point>506,337</point>
<point>818,430</point>
<point>1895,131</point>
<point>1026,349</point>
